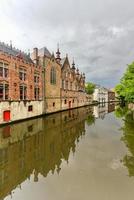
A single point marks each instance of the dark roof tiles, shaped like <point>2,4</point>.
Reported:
<point>14,52</point>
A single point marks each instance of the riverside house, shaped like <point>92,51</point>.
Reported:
<point>36,84</point>
<point>20,85</point>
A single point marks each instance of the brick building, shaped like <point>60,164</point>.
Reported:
<point>20,85</point>
<point>63,85</point>
<point>72,86</point>
<point>111,96</point>
<point>51,78</point>
<point>36,85</point>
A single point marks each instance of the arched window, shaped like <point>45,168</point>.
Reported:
<point>53,76</point>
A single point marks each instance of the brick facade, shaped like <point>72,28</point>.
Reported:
<point>20,85</point>
<point>72,86</point>
<point>111,96</point>
<point>14,80</point>
<point>40,84</point>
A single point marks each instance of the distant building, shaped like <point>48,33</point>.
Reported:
<point>111,96</point>
<point>100,94</point>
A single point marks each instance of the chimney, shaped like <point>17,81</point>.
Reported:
<point>35,55</point>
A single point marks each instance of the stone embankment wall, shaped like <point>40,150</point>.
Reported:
<point>17,110</point>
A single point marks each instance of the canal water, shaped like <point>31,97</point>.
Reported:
<point>82,154</point>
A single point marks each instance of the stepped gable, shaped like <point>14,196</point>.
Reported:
<point>8,49</point>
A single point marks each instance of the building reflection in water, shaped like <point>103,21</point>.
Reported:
<point>102,109</point>
<point>38,146</point>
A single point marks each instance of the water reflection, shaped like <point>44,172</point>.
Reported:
<point>128,136</point>
<point>38,146</point>
<point>102,109</point>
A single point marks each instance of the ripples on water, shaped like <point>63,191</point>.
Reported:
<point>85,153</point>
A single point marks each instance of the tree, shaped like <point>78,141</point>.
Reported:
<point>90,120</point>
<point>125,89</point>
<point>90,88</point>
<point>128,138</point>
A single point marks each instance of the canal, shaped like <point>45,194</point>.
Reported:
<point>85,153</point>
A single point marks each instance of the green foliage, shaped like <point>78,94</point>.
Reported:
<point>90,88</point>
<point>90,120</point>
<point>121,112</point>
<point>128,138</point>
<point>126,87</point>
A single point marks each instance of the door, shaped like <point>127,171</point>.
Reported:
<point>6,115</point>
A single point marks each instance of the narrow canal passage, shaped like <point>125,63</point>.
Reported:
<point>86,153</point>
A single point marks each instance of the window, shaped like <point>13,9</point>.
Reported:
<point>70,85</point>
<point>53,76</point>
<point>22,74</point>
<point>36,78</point>
<point>4,91</point>
<point>53,104</point>
<point>36,93</point>
<point>23,92</point>
<point>30,108</point>
<point>66,85</point>
<point>65,101</point>
<point>62,84</point>
<point>3,70</point>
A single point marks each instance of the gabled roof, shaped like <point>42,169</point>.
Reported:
<point>65,60</point>
<point>62,61</point>
<point>14,52</point>
<point>44,52</point>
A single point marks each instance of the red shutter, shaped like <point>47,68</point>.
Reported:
<point>6,115</point>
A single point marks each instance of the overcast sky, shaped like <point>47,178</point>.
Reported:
<point>99,34</point>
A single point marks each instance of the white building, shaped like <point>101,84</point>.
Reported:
<point>100,94</point>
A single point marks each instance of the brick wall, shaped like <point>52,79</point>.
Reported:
<point>13,79</point>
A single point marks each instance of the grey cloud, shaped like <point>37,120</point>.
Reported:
<point>98,34</point>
